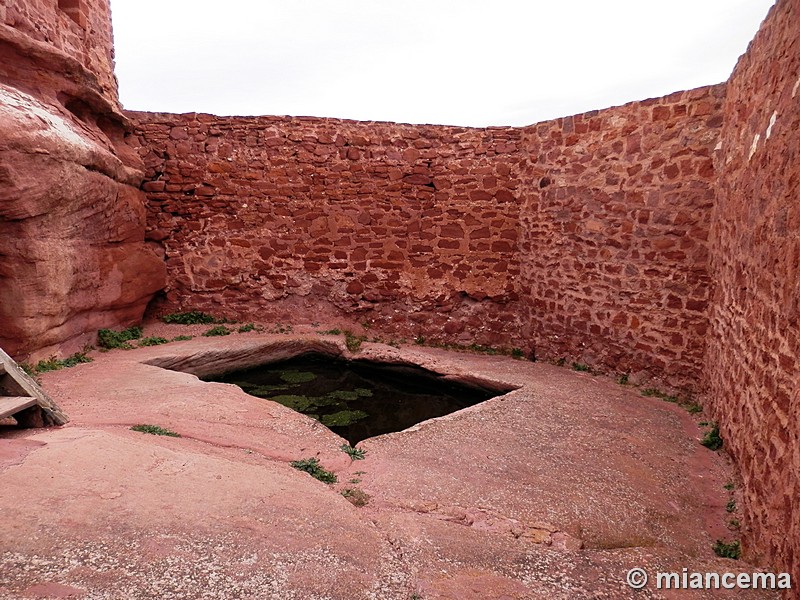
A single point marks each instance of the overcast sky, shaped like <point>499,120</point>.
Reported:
<point>456,62</point>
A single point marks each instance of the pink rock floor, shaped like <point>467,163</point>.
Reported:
<point>553,491</point>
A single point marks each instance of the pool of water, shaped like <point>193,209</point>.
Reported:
<point>357,399</point>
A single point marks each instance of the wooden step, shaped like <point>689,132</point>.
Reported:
<point>11,405</point>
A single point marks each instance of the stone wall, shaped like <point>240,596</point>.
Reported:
<point>614,237</point>
<point>417,229</point>
<point>412,229</point>
<point>753,359</point>
<point>74,29</point>
<point>72,252</point>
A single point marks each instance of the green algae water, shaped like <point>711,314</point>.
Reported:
<point>357,399</point>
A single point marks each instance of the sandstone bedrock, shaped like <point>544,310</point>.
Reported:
<point>657,239</point>
<point>72,252</point>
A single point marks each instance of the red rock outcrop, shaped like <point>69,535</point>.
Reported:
<point>72,252</point>
<point>753,358</point>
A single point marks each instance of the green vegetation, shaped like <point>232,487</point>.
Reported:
<point>294,376</point>
<point>54,364</point>
<point>281,329</point>
<point>298,403</point>
<point>110,339</point>
<point>154,430</point>
<point>729,486</point>
<point>355,496</point>
<point>712,439</point>
<point>29,369</point>
<point>193,317</point>
<point>731,506</point>
<point>734,524</point>
<point>153,341</point>
<point>182,338</point>
<point>693,407</point>
<point>313,468</point>
<point>623,379</point>
<point>581,367</point>
<point>331,332</point>
<point>478,348</point>
<point>353,453</point>
<point>656,393</point>
<point>350,395</point>
<point>353,341</point>
<point>343,418</point>
<point>728,549</point>
<point>217,331</point>
<point>249,327</point>
<point>688,404</point>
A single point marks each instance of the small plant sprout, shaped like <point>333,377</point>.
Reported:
<point>353,453</point>
<point>728,549</point>
<point>712,439</point>
<point>355,496</point>
<point>313,468</point>
<point>353,341</point>
<point>217,331</point>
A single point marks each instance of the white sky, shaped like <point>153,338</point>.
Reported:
<point>456,62</point>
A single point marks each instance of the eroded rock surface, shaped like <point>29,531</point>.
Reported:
<point>71,231</point>
<point>554,490</point>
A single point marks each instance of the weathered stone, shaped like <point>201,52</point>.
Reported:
<point>72,227</point>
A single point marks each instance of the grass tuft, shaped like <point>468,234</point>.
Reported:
<point>353,453</point>
<point>712,439</point>
<point>353,341</point>
<point>154,430</point>
<point>153,341</point>
<point>313,468</point>
<point>54,364</point>
<point>728,549</point>
<point>110,339</point>
<point>192,317</point>
<point>217,331</point>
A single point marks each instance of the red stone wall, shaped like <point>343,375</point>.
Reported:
<point>417,229</point>
<point>80,29</point>
<point>614,235</point>
<point>411,228</point>
<point>753,359</point>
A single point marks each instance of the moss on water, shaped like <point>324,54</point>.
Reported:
<point>350,395</point>
<point>298,403</point>
<point>343,418</point>
<point>294,376</point>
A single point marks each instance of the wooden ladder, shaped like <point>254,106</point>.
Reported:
<point>22,398</point>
